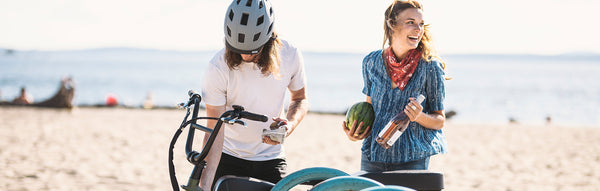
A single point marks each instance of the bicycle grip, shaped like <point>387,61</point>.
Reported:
<point>193,93</point>
<point>253,116</point>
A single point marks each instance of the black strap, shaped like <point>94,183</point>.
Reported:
<point>174,182</point>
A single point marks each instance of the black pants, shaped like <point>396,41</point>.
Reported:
<point>270,170</point>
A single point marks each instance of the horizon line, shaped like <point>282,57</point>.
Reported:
<point>573,53</point>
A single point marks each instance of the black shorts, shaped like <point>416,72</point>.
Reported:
<point>269,170</point>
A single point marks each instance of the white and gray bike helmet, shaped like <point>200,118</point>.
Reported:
<point>248,25</point>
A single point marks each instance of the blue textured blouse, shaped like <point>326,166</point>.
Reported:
<point>417,142</point>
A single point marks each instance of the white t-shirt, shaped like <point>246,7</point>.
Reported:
<point>248,87</point>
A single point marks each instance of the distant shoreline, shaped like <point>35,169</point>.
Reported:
<point>100,106</point>
<point>565,55</point>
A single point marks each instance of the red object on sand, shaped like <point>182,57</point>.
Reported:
<point>111,100</point>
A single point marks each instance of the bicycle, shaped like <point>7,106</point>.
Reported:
<point>321,178</point>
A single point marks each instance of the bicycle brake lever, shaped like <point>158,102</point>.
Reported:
<point>241,122</point>
<point>231,121</point>
<point>228,120</point>
<point>185,105</point>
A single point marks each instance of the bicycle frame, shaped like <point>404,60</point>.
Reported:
<point>197,159</point>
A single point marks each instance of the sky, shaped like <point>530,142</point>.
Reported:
<point>543,27</point>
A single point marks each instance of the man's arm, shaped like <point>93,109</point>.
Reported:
<point>297,109</point>
<point>214,156</point>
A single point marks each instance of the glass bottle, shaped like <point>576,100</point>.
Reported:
<point>395,127</point>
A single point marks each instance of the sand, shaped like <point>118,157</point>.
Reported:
<point>127,149</point>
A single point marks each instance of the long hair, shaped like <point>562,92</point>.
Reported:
<point>268,60</point>
<point>426,47</point>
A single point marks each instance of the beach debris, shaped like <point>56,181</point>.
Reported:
<point>512,120</point>
<point>63,98</point>
<point>450,114</point>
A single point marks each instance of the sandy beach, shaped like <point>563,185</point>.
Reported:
<point>127,149</point>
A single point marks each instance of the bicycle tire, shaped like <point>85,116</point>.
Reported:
<point>346,183</point>
<point>388,188</point>
<point>305,175</point>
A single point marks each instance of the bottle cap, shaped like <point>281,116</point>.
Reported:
<point>420,98</point>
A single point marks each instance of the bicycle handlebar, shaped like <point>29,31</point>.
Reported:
<point>253,116</point>
<point>235,114</point>
<point>239,109</point>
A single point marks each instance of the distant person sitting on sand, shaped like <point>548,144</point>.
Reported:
<point>148,103</point>
<point>23,98</point>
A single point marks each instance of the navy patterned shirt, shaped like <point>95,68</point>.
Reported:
<point>417,142</point>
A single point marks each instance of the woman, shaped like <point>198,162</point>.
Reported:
<point>393,78</point>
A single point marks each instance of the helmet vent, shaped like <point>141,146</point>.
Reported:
<point>260,5</point>
<point>231,15</point>
<point>249,3</point>
<point>270,27</point>
<point>238,2</point>
<point>228,31</point>
<point>244,20</point>
<point>260,20</point>
<point>241,37</point>
<point>256,36</point>
<point>271,11</point>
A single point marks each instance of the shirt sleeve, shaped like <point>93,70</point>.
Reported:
<point>214,84</point>
<point>366,66</point>
<point>435,87</point>
<point>298,79</point>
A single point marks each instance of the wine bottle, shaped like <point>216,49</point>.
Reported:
<point>395,127</point>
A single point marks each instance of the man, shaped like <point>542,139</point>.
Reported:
<point>254,70</point>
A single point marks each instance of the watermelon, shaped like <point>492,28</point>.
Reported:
<point>361,112</point>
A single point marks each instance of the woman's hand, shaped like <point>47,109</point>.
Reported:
<point>413,109</point>
<point>354,132</point>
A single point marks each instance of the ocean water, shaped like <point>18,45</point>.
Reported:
<point>484,88</point>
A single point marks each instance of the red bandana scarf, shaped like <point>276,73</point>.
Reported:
<point>400,72</point>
